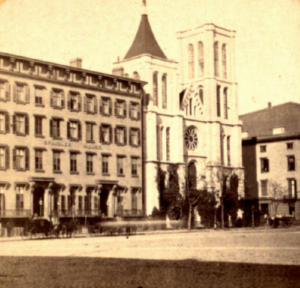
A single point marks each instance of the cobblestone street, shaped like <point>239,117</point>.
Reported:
<point>198,259</point>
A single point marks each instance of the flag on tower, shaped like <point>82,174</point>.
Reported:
<point>144,2</point>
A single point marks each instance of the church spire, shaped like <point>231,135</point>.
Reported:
<point>144,41</point>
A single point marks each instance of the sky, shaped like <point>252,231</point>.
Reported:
<point>100,31</point>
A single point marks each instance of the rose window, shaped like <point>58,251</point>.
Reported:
<point>191,139</point>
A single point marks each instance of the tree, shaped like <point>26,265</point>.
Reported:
<point>276,191</point>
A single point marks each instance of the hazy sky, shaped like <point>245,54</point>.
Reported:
<point>267,38</point>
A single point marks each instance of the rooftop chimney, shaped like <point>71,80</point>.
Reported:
<point>269,104</point>
<point>77,62</point>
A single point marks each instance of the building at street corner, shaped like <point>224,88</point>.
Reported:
<point>191,116</point>
<point>271,144</point>
<point>70,142</point>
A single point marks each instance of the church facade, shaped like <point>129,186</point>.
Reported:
<point>191,112</point>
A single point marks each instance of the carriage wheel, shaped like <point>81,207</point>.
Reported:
<point>33,234</point>
<point>25,235</point>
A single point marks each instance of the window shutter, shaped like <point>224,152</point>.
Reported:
<point>17,201</point>
<point>7,124</point>
<point>101,103</point>
<point>116,135</point>
<point>139,137</point>
<point>125,110</point>
<point>14,124</point>
<point>79,102</point>
<point>68,130</point>
<point>130,136</point>
<point>63,99</point>
<point>14,158</point>
<point>7,158</point>
<point>110,107</point>
<point>95,104</point>
<point>15,93</point>
<point>7,92</point>
<point>116,112</point>
<point>129,112</point>
<point>138,112</point>
<point>125,135</point>
<point>51,98</point>
<point>51,128</point>
<point>79,131</point>
<point>84,106</point>
<point>110,134</point>
<point>27,95</point>
<point>101,134</point>
<point>27,159</point>
<point>26,125</point>
<point>69,101</point>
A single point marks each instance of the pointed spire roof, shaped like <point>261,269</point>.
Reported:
<point>145,42</point>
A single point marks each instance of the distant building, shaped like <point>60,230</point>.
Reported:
<point>271,146</point>
<point>70,142</point>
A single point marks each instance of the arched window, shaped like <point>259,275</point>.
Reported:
<point>157,143</point>
<point>191,61</point>
<point>192,176</point>
<point>228,151</point>
<point>201,96</point>
<point>224,64</point>
<point>191,106</point>
<point>168,143</point>
<point>155,96</point>
<point>161,143</point>
<point>200,59</point>
<point>222,148</point>
<point>218,101</point>
<point>216,56</point>
<point>164,91</point>
<point>225,98</point>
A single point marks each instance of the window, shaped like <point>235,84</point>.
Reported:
<point>263,148</point>
<point>291,163</point>
<point>4,157</point>
<point>106,106</point>
<point>89,163</point>
<point>120,165</point>
<point>4,91</point>
<point>80,203</point>
<point>21,158</point>
<point>134,162</point>
<point>57,99</point>
<point>158,142</point>
<point>21,93</point>
<point>55,128</point>
<point>201,95</point>
<point>191,61</point>
<point>264,187</point>
<point>20,124</point>
<point>134,201</point>
<point>224,61</point>
<point>120,135</point>
<point>290,145</point>
<point>200,59</point>
<point>105,159</point>
<point>191,106</point>
<point>38,160</point>
<point>120,108</point>
<point>218,101</point>
<point>134,136</point>
<point>134,111</point>
<point>222,149</point>
<point>4,122</point>
<point>164,91</point>
<point>105,134</point>
<point>90,132</point>
<point>63,203</point>
<point>155,84</point>
<point>90,104</point>
<point>225,103</point>
<point>19,198</point>
<point>38,127</point>
<point>292,188</point>
<point>74,130</point>
<point>264,162</point>
<point>73,163</point>
<point>228,151</point>
<point>216,59</point>
<point>168,143</point>
<point>2,200</point>
<point>74,101</point>
<point>39,96</point>
<point>56,161</point>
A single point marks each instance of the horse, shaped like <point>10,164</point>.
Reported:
<point>71,227</point>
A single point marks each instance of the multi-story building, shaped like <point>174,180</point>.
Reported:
<point>70,141</point>
<point>271,145</point>
<point>191,118</point>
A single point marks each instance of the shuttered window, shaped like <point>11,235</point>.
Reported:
<point>74,131</point>
<point>21,158</point>
<point>4,157</point>
<point>4,91</point>
<point>106,134</point>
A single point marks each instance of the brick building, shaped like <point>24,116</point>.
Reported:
<point>70,141</point>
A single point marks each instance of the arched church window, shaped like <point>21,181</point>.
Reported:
<point>224,61</point>
<point>216,58</point>
<point>155,96</point>
<point>192,176</point>
<point>200,59</point>
<point>191,106</point>
<point>222,148</point>
<point>191,61</point>
<point>168,143</point>
<point>164,91</point>
<point>218,101</point>
<point>225,103</point>
<point>228,151</point>
<point>201,95</point>
<point>157,142</point>
<point>161,143</point>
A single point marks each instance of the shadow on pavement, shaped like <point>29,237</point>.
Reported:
<point>105,272</point>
